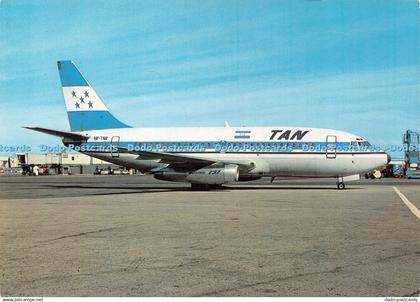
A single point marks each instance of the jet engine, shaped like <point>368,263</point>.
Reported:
<point>209,175</point>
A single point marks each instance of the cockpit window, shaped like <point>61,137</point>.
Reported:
<point>360,143</point>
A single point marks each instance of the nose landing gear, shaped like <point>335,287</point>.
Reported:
<point>340,183</point>
<point>341,179</point>
<point>341,186</point>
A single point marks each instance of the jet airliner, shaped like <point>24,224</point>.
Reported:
<point>208,157</point>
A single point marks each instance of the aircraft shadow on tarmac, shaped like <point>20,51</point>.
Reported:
<point>282,188</point>
<point>156,189</point>
<point>51,191</point>
<point>133,189</point>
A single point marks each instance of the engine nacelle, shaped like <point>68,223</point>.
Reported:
<point>208,175</point>
<point>214,176</point>
<point>170,176</point>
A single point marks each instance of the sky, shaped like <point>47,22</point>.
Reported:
<point>339,64</point>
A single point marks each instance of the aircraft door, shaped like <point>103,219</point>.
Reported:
<point>115,141</point>
<point>331,146</point>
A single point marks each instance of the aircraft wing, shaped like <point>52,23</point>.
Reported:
<point>186,162</point>
<point>64,135</point>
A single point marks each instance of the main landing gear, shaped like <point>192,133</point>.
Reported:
<point>204,187</point>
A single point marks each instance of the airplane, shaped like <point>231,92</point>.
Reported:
<point>208,157</point>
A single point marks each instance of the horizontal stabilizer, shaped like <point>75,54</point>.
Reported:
<point>64,135</point>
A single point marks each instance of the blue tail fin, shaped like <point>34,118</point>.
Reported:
<point>85,109</point>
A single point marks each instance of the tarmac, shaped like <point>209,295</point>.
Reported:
<point>135,236</point>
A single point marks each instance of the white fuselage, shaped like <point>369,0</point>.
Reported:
<point>274,151</point>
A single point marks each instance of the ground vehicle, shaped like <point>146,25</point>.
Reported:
<point>411,140</point>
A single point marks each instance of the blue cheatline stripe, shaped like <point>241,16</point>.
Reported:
<point>239,147</point>
<point>93,120</point>
<point>242,136</point>
<point>70,75</point>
